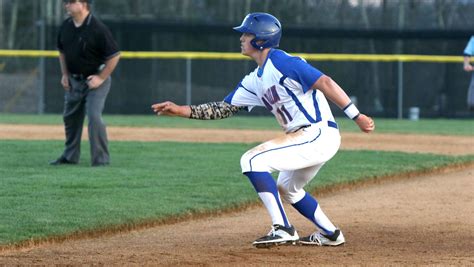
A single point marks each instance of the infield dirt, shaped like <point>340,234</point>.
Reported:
<point>422,220</point>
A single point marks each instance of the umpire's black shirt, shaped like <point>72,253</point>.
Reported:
<point>86,47</point>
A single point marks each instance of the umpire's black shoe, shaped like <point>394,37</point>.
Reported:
<point>61,161</point>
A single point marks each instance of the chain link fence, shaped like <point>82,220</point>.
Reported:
<point>437,89</point>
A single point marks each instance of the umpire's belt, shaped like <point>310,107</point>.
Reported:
<point>79,76</point>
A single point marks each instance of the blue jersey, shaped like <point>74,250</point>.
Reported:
<point>469,50</point>
<point>283,85</point>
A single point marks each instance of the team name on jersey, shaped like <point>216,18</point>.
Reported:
<point>270,97</point>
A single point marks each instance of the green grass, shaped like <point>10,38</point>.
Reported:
<point>149,181</point>
<point>423,126</point>
<point>153,181</point>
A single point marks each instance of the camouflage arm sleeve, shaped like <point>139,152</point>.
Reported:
<point>213,111</point>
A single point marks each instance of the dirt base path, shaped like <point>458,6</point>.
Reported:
<point>438,144</point>
<point>425,220</point>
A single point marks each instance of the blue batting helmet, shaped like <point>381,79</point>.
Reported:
<point>264,26</point>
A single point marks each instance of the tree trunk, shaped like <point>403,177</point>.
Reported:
<point>374,64</point>
<point>400,25</point>
<point>13,24</point>
<point>248,5</point>
<point>58,12</point>
<point>443,96</point>
<point>2,26</point>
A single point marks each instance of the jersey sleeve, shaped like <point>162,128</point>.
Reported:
<point>296,69</point>
<point>301,72</point>
<point>244,95</point>
<point>469,50</point>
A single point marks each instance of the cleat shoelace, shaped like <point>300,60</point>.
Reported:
<point>272,232</point>
<point>315,237</point>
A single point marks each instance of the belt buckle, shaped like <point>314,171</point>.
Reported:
<point>77,76</point>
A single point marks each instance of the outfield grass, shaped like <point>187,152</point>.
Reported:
<point>424,126</point>
<point>149,181</point>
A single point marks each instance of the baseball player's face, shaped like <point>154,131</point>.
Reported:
<point>246,48</point>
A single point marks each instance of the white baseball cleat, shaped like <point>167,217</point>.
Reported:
<point>319,239</point>
<point>278,235</point>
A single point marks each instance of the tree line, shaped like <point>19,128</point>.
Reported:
<point>20,19</point>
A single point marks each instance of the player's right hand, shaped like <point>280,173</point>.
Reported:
<point>365,123</point>
<point>169,108</point>
<point>65,82</point>
<point>468,67</point>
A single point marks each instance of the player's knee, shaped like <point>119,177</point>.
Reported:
<point>284,193</point>
<point>288,193</point>
<point>245,162</point>
<point>250,161</point>
<point>293,197</point>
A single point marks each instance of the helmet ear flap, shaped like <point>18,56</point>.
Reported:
<point>258,44</point>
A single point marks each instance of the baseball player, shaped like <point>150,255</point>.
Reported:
<point>295,92</point>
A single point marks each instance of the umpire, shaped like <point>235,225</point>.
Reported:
<point>88,54</point>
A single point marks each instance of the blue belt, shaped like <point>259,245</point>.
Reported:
<point>331,124</point>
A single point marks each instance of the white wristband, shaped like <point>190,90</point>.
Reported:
<point>351,111</point>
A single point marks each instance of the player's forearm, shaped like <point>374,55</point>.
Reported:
<point>213,111</point>
<point>185,111</point>
<point>338,96</point>
<point>332,91</point>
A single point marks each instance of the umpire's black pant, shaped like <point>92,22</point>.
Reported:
<point>79,101</point>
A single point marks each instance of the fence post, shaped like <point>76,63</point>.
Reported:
<point>400,90</point>
<point>188,81</point>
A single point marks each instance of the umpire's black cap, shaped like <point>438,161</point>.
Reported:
<point>73,1</point>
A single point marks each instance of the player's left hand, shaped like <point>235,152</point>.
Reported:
<point>169,108</point>
<point>365,123</point>
<point>94,81</point>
